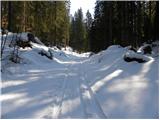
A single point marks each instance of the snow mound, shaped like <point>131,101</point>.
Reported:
<point>155,48</point>
<point>113,47</point>
<point>87,54</point>
<point>69,49</point>
<point>133,56</point>
<point>142,49</point>
<point>152,49</point>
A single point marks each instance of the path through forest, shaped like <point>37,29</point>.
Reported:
<point>77,86</point>
<point>65,87</point>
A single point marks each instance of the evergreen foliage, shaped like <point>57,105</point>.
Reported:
<point>115,22</point>
<point>47,19</point>
<point>78,39</point>
<point>124,23</point>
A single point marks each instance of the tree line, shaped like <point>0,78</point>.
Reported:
<point>124,23</point>
<point>79,29</point>
<point>115,22</point>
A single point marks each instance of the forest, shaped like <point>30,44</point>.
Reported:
<point>124,23</point>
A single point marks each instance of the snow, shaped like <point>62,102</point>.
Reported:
<point>132,54</point>
<point>154,46</point>
<point>11,38</point>
<point>74,85</point>
<point>141,49</point>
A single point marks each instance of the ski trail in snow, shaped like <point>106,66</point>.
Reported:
<point>55,109</point>
<point>71,105</point>
<point>62,96</point>
<point>92,106</point>
<point>75,99</point>
<point>82,99</point>
<point>58,113</point>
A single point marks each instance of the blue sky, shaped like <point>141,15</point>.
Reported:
<point>84,4</point>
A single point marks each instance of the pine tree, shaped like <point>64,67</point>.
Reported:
<point>88,23</point>
<point>78,37</point>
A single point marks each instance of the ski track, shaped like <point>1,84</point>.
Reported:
<point>92,106</point>
<point>71,105</point>
<point>73,98</point>
<point>76,99</point>
<point>55,109</point>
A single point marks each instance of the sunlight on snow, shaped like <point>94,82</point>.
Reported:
<point>13,83</point>
<point>70,106</point>
<point>127,84</point>
<point>5,97</point>
<point>64,62</point>
<point>41,113</point>
<point>146,67</point>
<point>100,83</point>
<point>136,81</point>
<point>36,71</point>
<point>136,85</point>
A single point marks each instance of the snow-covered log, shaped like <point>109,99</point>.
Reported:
<point>131,48</point>
<point>145,49</point>
<point>48,53</point>
<point>133,56</point>
<point>23,44</point>
<point>20,39</point>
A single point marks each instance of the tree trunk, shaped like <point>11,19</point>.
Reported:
<point>55,27</point>
<point>156,22</point>
<point>150,17</point>
<point>110,24</point>
<point>9,16</point>
<point>24,16</point>
<point>139,22</point>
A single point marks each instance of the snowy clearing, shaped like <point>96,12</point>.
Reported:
<point>75,85</point>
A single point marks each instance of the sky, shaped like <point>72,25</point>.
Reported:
<point>84,4</point>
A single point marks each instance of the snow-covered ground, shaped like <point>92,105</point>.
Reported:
<point>75,85</point>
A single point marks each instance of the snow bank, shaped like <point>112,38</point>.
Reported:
<point>141,50</point>
<point>69,49</point>
<point>124,90</point>
<point>111,53</point>
<point>113,47</point>
<point>133,56</point>
<point>153,48</point>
